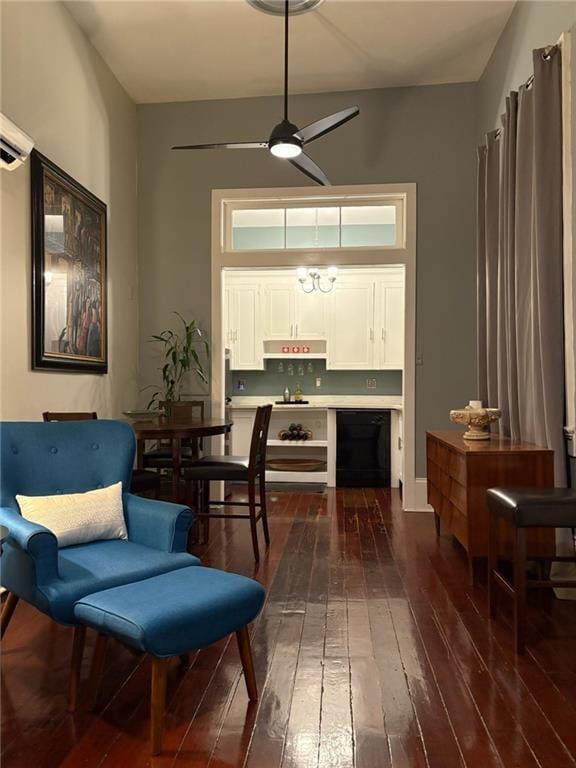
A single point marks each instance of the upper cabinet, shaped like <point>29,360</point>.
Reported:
<point>361,319</point>
<point>389,322</point>
<point>291,314</point>
<point>278,302</point>
<point>351,329</point>
<point>311,315</point>
<point>243,326</point>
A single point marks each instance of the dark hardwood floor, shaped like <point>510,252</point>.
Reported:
<point>372,651</point>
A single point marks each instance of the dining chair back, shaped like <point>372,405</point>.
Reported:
<point>69,415</point>
<point>235,469</point>
<point>160,457</point>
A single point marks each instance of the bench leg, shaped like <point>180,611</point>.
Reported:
<point>97,669</point>
<point>519,589</point>
<point>7,610</point>
<point>243,639</point>
<point>157,703</point>
<point>76,667</point>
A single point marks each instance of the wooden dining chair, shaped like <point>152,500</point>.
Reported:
<point>238,469</point>
<point>143,481</point>
<point>160,457</point>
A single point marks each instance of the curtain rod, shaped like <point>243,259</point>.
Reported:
<point>546,56</point>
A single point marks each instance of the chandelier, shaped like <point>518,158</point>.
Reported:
<point>310,279</point>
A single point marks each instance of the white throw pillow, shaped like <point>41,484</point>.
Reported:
<point>77,518</point>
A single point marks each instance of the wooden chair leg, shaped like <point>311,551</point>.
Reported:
<point>7,610</point>
<point>157,703</point>
<point>243,639</point>
<point>437,523</point>
<point>97,669</point>
<point>263,508</point>
<point>492,563</point>
<point>519,589</point>
<point>76,666</point>
<point>252,513</point>
<point>205,492</point>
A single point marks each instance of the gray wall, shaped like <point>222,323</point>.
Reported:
<point>531,25</point>
<point>425,135</point>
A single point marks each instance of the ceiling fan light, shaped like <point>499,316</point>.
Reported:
<point>285,149</point>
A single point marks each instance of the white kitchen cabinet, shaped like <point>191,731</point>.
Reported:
<point>389,325</point>
<point>361,320</point>
<point>351,325</point>
<point>244,331</point>
<point>279,322</point>
<point>310,314</point>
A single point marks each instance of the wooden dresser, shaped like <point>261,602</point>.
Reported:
<point>459,473</point>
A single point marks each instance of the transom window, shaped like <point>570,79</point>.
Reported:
<point>266,226</point>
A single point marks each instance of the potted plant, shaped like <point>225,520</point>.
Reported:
<point>180,350</point>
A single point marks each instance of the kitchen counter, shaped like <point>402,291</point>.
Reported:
<point>320,416</point>
<point>322,402</point>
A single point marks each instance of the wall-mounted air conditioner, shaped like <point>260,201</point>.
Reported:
<point>15,145</point>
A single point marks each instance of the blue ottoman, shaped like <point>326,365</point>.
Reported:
<point>169,615</point>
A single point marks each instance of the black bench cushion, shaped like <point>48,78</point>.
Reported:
<point>534,507</point>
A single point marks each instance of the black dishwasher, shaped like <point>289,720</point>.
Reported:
<point>363,449</point>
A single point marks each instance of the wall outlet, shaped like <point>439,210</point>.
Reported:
<point>370,383</point>
<point>318,382</point>
<point>241,385</point>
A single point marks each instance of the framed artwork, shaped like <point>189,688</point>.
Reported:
<point>69,307</point>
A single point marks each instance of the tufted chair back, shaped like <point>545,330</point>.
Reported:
<point>41,459</point>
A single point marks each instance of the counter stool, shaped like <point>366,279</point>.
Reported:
<point>524,508</point>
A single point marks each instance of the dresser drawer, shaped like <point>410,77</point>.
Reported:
<point>457,467</point>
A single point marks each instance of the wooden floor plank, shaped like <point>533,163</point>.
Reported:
<point>372,651</point>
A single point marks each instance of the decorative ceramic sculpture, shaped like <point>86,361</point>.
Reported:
<point>477,419</point>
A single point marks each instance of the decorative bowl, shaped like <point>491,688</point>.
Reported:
<point>477,420</point>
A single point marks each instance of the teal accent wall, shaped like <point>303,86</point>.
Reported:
<point>271,382</point>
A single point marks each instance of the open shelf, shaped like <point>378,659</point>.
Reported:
<point>275,476</point>
<point>299,443</point>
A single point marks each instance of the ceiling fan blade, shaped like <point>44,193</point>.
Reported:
<point>228,145</point>
<point>309,167</point>
<point>326,124</point>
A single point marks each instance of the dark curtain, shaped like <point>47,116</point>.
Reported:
<point>520,311</point>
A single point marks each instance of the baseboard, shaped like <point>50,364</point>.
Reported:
<point>415,497</point>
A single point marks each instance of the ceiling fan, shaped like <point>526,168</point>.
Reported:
<point>287,140</point>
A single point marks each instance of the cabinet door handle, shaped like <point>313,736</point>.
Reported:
<point>292,331</point>
<point>296,334</point>
<point>371,334</point>
<point>383,334</point>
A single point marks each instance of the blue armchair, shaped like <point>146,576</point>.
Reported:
<point>40,459</point>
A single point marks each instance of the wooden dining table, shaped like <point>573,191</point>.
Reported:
<point>160,428</point>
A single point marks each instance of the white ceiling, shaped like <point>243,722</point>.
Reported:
<point>161,50</point>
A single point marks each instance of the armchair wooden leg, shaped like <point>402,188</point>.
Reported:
<point>157,703</point>
<point>243,639</point>
<point>7,610</point>
<point>76,666</point>
<point>97,669</point>
<point>263,508</point>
